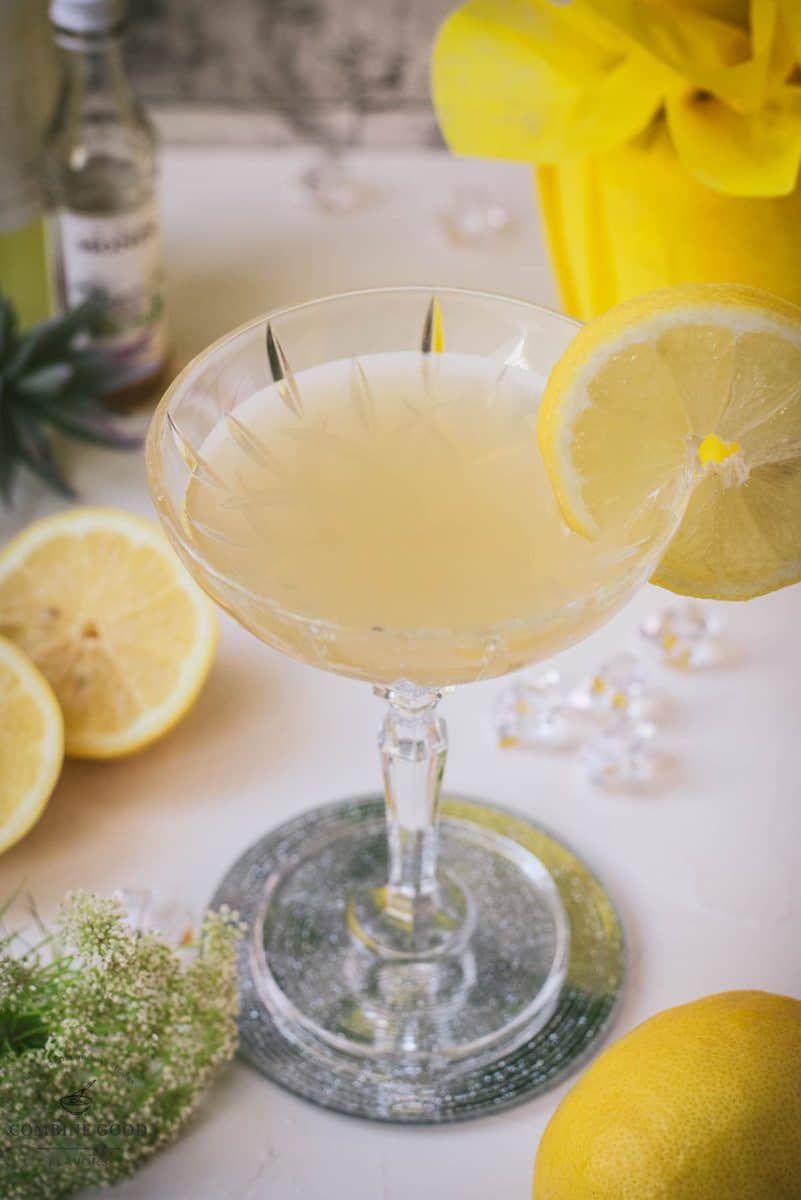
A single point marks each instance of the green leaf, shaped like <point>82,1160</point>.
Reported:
<point>8,325</point>
<point>88,422</point>
<point>53,339</point>
<point>34,450</point>
<point>51,379</point>
<point>21,1031</point>
<point>46,381</point>
<point>8,461</point>
<point>8,470</point>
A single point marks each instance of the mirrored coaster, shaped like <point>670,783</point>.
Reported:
<point>516,1001</point>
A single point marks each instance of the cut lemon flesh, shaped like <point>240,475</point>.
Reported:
<point>702,382</point>
<point>31,743</point>
<point>101,604</point>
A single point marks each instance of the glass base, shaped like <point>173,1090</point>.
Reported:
<point>516,994</point>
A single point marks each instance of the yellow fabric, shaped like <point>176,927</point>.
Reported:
<point>633,220</point>
<point>791,16</point>
<point>520,79</point>
<point>735,11</point>
<point>753,154</point>
<point>716,55</point>
<point>666,133</point>
<point>548,83</point>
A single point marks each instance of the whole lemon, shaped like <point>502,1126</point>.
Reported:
<point>701,1102</point>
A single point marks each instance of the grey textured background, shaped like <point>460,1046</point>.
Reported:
<point>358,68</point>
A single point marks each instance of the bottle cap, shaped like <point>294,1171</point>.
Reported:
<point>88,16</point>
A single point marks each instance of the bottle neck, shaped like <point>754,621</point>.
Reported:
<point>100,145</point>
<point>93,70</point>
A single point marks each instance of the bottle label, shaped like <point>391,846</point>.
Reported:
<point>121,256</point>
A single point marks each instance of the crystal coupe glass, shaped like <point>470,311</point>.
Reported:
<point>357,481</point>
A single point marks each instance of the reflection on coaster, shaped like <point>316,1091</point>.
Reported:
<point>519,1002</point>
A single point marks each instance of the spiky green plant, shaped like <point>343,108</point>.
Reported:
<point>51,380</point>
<point>107,1042</point>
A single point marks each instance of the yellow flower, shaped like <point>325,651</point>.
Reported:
<point>552,83</point>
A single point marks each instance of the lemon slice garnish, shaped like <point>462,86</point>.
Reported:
<point>703,380</point>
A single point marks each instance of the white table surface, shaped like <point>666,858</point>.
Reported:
<point>705,869</point>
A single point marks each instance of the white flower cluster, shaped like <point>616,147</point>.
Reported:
<point>107,1042</point>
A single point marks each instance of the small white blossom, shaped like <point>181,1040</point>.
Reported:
<point>108,1044</point>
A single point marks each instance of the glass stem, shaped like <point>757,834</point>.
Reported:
<point>413,744</point>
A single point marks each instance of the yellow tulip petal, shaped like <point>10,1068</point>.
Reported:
<point>522,79</point>
<point>755,154</point>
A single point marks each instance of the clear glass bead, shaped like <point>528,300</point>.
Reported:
<point>619,686</point>
<point>622,755</point>
<point>334,186</point>
<point>135,903</point>
<point>174,921</point>
<point>531,714</point>
<point>685,636</point>
<point>171,919</point>
<point>473,216</point>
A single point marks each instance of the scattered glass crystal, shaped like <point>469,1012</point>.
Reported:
<point>135,903</point>
<point>172,919</point>
<point>474,216</point>
<point>619,686</point>
<point>686,636</point>
<point>334,187</point>
<point>531,714</point>
<point>622,755</point>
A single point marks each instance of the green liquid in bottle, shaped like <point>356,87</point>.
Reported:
<point>25,274</point>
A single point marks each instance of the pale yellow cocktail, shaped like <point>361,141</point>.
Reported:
<point>403,525</point>
<point>358,481</point>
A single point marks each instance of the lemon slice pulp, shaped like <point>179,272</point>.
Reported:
<point>704,380</point>
<point>31,743</point>
<point>99,601</point>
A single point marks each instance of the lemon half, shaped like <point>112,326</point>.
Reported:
<point>101,604</point>
<point>702,380</point>
<point>31,743</point>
